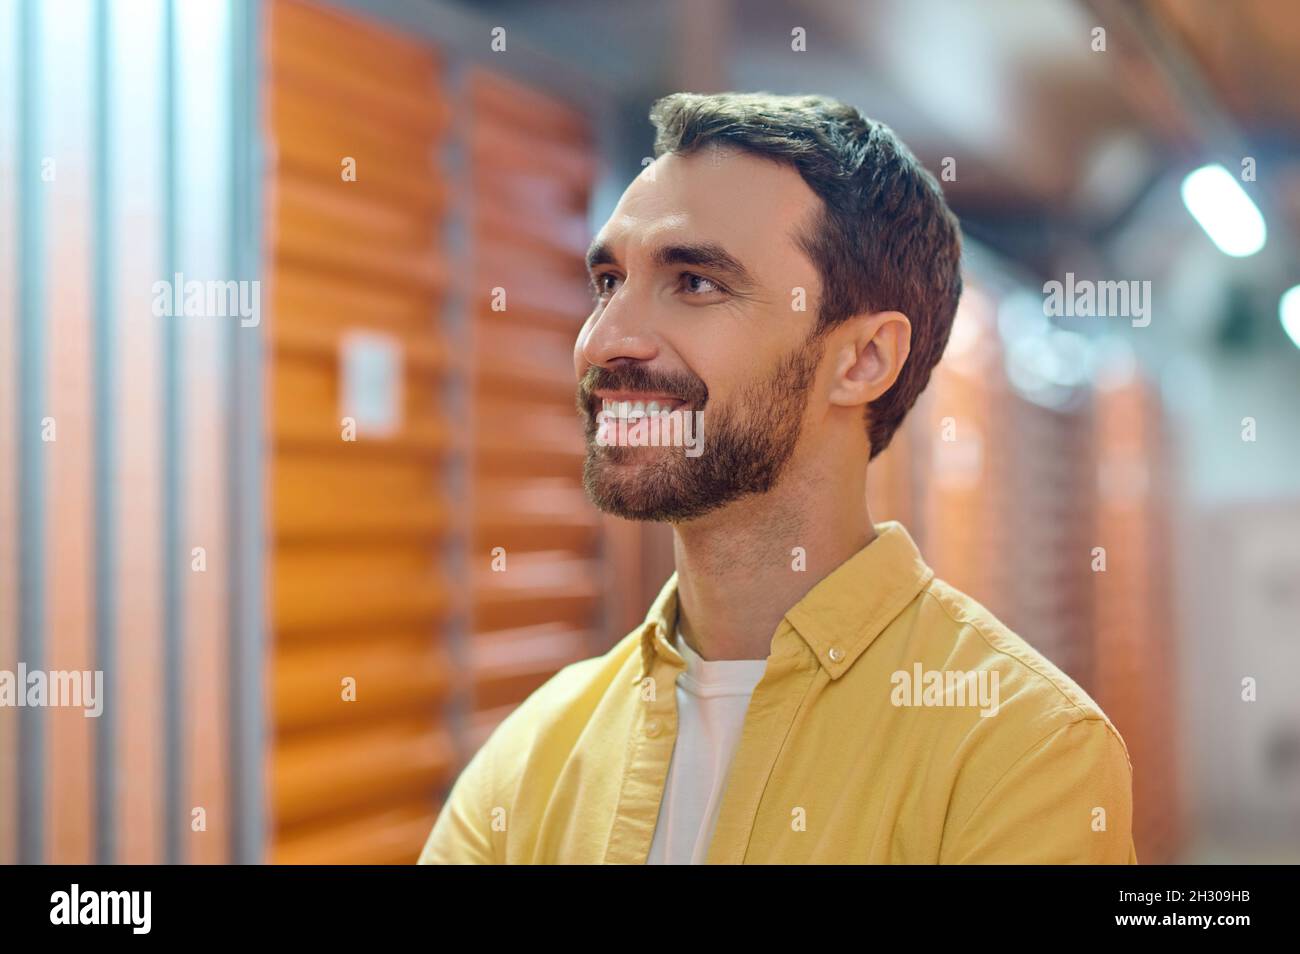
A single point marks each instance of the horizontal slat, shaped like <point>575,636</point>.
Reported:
<point>500,157</point>
<point>307,296</point>
<point>298,245</point>
<point>350,478</point>
<point>337,771</point>
<point>536,588</point>
<point>518,422</point>
<point>352,216</point>
<point>376,177</point>
<point>536,514</point>
<point>526,313</point>
<point>501,690</point>
<point>412,106</point>
<point>382,53</point>
<point>316,519</point>
<point>353,497</point>
<point>507,461</point>
<point>509,664</point>
<point>544,384</point>
<point>422,353</point>
<point>534,360</point>
<point>424,441</point>
<point>534,297</point>
<point>308,414</point>
<point>538,573</point>
<point>505,610</point>
<point>548,500</point>
<point>354,586</point>
<point>372,603</point>
<point>390,677</point>
<point>539,201</point>
<point>549,646</point>
<point>565,240</point>
<point>328,230</point>
<point>387,836</point>
<point>296,113</point>
<point>498,99</point>
<point>413,631</point>
<point>521,538</point>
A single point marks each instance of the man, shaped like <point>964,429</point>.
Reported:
<point>803,690</point>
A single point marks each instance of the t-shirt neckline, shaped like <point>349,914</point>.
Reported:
<point>719,676</point>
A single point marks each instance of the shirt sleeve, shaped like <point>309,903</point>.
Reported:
<point>1067,800</point>
<point>462,834</point>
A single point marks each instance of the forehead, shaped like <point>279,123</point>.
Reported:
<point>753,207</point>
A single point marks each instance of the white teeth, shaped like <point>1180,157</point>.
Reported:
<point>636,410</point>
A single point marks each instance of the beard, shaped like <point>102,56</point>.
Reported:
<point>746,442</point>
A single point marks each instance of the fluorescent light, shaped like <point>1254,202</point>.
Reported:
<point>1221,207</point>
<point>1288,308</point>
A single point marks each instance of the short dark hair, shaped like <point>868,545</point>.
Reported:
<point>885,239</point>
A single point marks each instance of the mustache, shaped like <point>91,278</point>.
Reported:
<point>637,377</point>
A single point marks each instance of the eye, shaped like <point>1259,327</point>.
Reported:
<point>599,288</point>
<point>694,284</point>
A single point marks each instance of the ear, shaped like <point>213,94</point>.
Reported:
<point>871,355</point>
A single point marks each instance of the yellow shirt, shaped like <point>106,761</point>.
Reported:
<point>897,721</point>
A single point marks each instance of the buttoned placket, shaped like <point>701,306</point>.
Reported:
<point>791,672</point>
<point>650,750</point>
<point>776,700</point>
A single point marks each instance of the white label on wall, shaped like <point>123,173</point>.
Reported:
<point>371,372</point>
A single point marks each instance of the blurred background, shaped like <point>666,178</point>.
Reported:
<point>321,547</point>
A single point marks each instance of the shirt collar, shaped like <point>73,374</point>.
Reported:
<point>658,629</point>
<point>838,618</point>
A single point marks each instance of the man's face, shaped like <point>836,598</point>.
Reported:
<point>705,305</point>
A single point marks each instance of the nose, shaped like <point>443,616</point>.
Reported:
<point>620,332</point>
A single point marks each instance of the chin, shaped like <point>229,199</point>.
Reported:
<point>624,485</point>
<point>643,490</point>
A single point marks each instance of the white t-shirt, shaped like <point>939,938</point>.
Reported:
<point>712,697</point>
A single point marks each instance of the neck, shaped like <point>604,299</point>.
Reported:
<point>738,568</point>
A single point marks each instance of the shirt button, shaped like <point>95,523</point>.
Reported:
<point>836,654</point>
<point>652,728</point>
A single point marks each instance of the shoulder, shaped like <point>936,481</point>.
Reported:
<point>1029,780</point>
<point>1036,698</point>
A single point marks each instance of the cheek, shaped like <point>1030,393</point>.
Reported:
<point>743,369</point>
<point>723,359</point>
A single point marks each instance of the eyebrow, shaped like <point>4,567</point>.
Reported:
<point>707,255</point>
